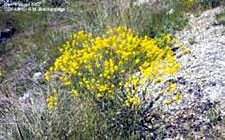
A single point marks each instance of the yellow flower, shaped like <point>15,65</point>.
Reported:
<point>126,84</point>
<point>172,87</point>
<point>177,97</point>
<point>190,2</point>
<point>113,86</point>
<point>135,81</point>
<point>168,101</point>
<point>103,88</point>
<point>132,100</point>
<point>99,95</point>
<point>122,71</point>
<point>137,61</point>
<point>75,92</point>
<point>67,83</point>
<point>55,91</point>
<point>51,102</point>
<point>47,76</point>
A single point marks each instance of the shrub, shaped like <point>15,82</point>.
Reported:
<point>111,71</point>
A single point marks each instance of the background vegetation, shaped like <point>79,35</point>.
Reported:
<point>35,46</point>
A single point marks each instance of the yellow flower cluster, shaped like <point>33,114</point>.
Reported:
<point>191,2</point>
<point>52,102</point>
<point>100,66</point>
<point>47,76</point>
<point>171,87</point>
<point>132,100</point>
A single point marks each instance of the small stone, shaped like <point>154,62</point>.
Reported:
<point>1,59</point>
<point>36,76</point>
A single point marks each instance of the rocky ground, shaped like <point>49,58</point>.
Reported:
<point>204,67</point>
<point>201,81</point>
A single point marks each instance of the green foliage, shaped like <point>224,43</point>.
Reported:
<point>160,20</point>
<point>209,3</point>
<point>199,5</point>
<point>220,18</point>
<point>21,20</point>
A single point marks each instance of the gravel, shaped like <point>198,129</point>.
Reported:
<point>201,81</point>
<point>205,64</point>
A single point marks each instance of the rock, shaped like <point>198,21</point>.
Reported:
<point>25,96</point>
<point>7,33</point>
<point>141,2</point>
<point>1,3</point>
<point>1,59</point>
<point>36,76</point>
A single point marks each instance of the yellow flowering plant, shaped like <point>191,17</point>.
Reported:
<point>112,69</point>
<point>99,66</point>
